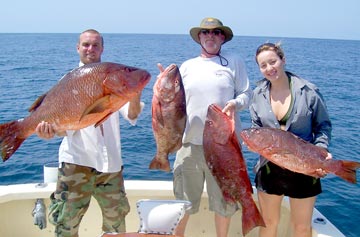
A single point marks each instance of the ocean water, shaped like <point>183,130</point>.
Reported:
<point>30,64</point>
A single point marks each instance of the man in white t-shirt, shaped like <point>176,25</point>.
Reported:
<point>90,162</point>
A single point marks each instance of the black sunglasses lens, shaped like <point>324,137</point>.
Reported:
<point>217,32</point>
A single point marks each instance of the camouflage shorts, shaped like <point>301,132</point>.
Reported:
<point>75,187</point>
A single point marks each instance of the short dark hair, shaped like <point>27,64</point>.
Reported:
<point>94,32</point>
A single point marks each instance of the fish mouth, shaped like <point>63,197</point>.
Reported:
<point>244,134</point>
<point>145,78</point>
<point>215,113</point>
<point>172,71</point>
<point>170,68</point>
<point>215,108</point>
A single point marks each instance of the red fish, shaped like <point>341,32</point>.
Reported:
<point>225,160</point>
<point>168,115</point>
<point>293,153</point>
<point>87,95</point>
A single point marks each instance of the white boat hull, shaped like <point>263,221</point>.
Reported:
<point>17,203</point>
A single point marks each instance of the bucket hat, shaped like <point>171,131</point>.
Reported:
<point>211,23</point>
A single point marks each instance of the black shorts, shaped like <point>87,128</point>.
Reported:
<point>273,179</point>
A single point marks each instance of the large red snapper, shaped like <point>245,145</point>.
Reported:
<point>225,160</point>
<point>168,115</point>
<point>293,153</point>
<point>87,95</point>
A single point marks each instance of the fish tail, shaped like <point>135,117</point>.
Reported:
<point>10,139</point>
<point>348,171</point>
<point>160,164</point>
<point>251,218</point>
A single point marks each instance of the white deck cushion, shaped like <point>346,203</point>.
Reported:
<point>160,216</point>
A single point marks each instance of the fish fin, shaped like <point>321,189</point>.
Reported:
<point>348,170</point>
<point>251,217</point>
<point>102,120</point>
<point>157,114</point>
<point>99,106</point>
<point>237,146</point>
<point>37,103</point>
<point>160,164</point>
<point>10,139</point>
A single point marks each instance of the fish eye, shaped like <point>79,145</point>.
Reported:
<point>128,69</point>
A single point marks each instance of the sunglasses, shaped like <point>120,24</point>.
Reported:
<point>215,32</point>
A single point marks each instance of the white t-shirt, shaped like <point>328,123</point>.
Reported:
<point>206,82</point>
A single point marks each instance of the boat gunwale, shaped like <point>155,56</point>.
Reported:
<point>321,225</point>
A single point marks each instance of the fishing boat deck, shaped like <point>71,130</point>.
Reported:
<point>137,235</point>
<point>17,203</point>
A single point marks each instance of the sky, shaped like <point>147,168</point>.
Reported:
<point>325,19</point>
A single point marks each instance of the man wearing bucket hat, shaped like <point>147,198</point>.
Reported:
<point>212,77</point>
<point>211,24</point>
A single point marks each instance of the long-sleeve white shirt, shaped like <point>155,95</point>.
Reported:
<point>206,82</point>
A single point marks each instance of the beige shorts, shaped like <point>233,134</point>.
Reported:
<point>190,176</point>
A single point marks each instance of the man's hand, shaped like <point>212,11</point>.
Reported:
<point>229,109</point>
<point>46,130</point>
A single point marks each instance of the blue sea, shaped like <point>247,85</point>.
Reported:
<point>30,64</point>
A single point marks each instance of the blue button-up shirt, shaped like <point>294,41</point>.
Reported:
<point>308,119</point>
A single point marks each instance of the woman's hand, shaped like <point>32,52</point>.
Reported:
<point>320,173</point>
